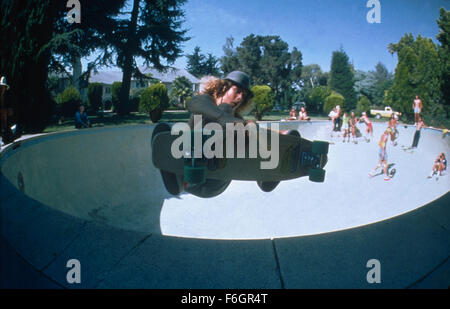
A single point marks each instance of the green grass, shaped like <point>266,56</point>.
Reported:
<point>111,120</point>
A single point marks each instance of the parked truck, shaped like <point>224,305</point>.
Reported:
<point>387,112</point>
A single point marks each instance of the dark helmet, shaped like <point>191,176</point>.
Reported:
<point>241,79</point>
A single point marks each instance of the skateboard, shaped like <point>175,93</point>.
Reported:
<point>297,157</point>
<point>416,139</point>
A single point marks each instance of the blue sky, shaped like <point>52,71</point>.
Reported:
<point>315,27</point>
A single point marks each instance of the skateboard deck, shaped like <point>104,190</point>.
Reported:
<point>297,157</point>
<point>416,139</point>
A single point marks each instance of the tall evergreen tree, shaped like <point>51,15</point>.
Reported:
<point>152,31</point>
<point>268,61</point>
<point>342,78</point>
<point>39,37</point>
<point>25,28</point>
<point>229,62</point>
<point>444,56</point>
<point>200,65</point>
<point>417,73</point>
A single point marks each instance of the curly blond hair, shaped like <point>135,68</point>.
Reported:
<point>217,88</point>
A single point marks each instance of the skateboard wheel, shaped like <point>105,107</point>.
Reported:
<point>194,175</point>
<point>293,133</point>
<point>317,175</point>
<point>320,147</point>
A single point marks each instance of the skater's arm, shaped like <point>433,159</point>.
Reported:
<point>205,105</point>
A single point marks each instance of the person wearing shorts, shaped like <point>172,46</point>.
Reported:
<point>382,155</point>
<point>345,127</point>
<point>369,126</point>
<point>417,107</point>
<point>439,166</point>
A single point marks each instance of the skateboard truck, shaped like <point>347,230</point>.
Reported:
<point>316,159</point>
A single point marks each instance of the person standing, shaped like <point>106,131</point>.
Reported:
<point>417,107</point>
<point>369,126</point>
<point>345,127</point>
<point>5,112</point>
<point>419,125</point>
<point>353,122</point>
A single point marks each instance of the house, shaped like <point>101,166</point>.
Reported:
<point>107,78</point>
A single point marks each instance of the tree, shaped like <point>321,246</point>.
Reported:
<point>68,102</point>
<point>39,38</point>
<point>383,80</point>
<point>444,56</point>
<point>417,73</point>
<point>25,29</point>
<point>154,100</point>
<point>150,31</point>
<point>316,98</point>
<point>332,101</point>
<point>200,65</point>
<point>263,100</point>
<point>312,76</point>
<point>342,79</point>
<point>181,89</point>
<point>95,94</point>
<point>229,62</point>
<point>268,61</point>
<point>195,62</point>
<point>363,104</point>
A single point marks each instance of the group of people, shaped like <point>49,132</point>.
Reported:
<point>302,114</point>
<point>347,125</point>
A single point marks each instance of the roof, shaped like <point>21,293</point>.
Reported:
<point>109,77</point>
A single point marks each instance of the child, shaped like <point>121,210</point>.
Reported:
<point>440,165</point>
<point>382,155</point>
<point>345,127</point>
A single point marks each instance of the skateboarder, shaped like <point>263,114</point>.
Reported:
<point>369,126</point>
<point>221,101</point>
<point>419,125</point>
<point>439,166</point>
<point>382,155</point>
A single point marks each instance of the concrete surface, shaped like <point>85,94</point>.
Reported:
<point>93,195</point>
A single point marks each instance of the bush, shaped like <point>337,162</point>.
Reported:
<point>154,100</point>
<point>135,97</point>
<point>95,96</point>
<point>363,105</point>
<point>263,100</point>
<point>316,98</point>
<point>331,101</point>
<point>115,92</point>
<point>68,102</point>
